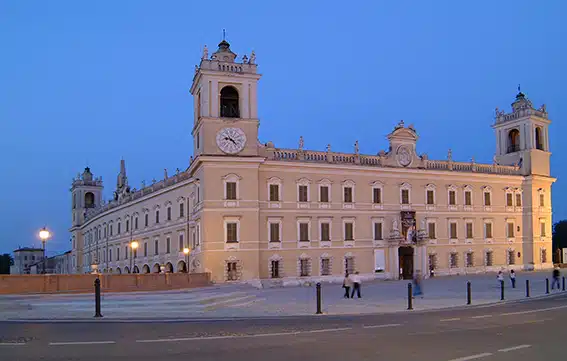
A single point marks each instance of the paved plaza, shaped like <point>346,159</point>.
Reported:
<point>246,301</point>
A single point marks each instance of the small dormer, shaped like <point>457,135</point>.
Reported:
<point>402,150</point>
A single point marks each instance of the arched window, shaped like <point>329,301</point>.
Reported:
<point>229,102</point>
<point>89,200</point>
<point>538,139</point>
<point>513,141</point>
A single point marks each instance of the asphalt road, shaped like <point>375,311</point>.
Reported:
<point>513,331</point>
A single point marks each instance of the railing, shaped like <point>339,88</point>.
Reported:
<point>376,161</point>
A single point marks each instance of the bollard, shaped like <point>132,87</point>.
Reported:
<point>527,288</point>
<point>469,296</point>
<point>97,298</point>
<point>547,286</point>
<point>318,287</point>
<point>410,297</point>
<point>501,290</point>
<point>563,286</point>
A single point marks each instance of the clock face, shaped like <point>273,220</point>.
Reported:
<point>231,140</point>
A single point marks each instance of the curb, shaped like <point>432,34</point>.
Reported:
<point>266,318</point>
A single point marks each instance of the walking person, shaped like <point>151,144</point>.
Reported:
<point>556,275</point>
<point>417,289</point>
<point>513,278</point>
<point>500,278</point>
<point>346,285</point>
<point>355,279</point>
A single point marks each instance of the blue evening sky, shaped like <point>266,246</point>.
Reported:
<point>91,82</point>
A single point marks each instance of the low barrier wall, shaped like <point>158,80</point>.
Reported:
<point>22,284</point>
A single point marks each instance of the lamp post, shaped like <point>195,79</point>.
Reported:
<point>44,235</point>
<point>133,247</point>
<point>187,251</point>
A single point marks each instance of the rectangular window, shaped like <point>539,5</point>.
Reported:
<point>231,232</point>
<point>156,247</point>
<point>181,243</point>
<point>452,198</point>
<point>194,242</point>
<point>274,192</point>
<point>542,200</point>
<point>518,199</point>
<point>157,216</point>
<point>324,194</point>
<point>489,258</point>
<point>110,255</point>
<point>469,259</point>
<point>405,196</point>
<point>167,245</point>
<point>468,198</point>
<point>136,223</point>
<point>119,224</point>
<point>377,195</point>
<point>275,272</point>
<point>304,268</point>
<point>302,193</point>
<point>118,254</point>
<point>430,197</point>
<point>349,231</point>
<point>325,232</point>
<point>325,267</point>
<point>111,228</point>
<point>349,265</point>
<point>146,220</point>
<point>431,230</point>
<point>510,230</point>
<point>275,232</point>
<point>198,235</point>
<point>145,249</point>
<point>488,230</point>
<point>487,199</point>
<point>127,225</point>
<point>198,195</point>
<point>511,257</point>
<point>125,252</point>
<point>542,229</point>
<point>135,253</point>
<point>232,274</point>
<point>378,231</point>
<point>543,256</point>
<point>304,232</point>
<point>453,230</point>
<point>231,190</point>
<point>432,262</point>
<point>169,213</point>
<point>469,228</point>
<point>181,210</point>
<point>509,200</point>
<point>348,194</point>
<point>453,260</point>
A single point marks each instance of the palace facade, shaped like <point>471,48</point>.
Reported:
<point>251,211</point>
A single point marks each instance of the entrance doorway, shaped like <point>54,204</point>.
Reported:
<point>406,262</point>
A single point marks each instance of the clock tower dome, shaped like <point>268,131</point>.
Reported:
<point>225,104</point>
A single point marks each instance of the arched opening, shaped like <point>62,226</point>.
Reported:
<point>136,269</point>
<point>513,141</point>
<point>168,267</point>
<point>126,269</point>
<point>155,268</point>
<point>89,200</point>
<point>181,267</point>
<point>538,138</point>
<point>118,270</point>
<point>229,107</point>
<point>146,269</point>
<point>110,271</point>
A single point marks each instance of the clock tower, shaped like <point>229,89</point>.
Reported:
<point>225,104</point>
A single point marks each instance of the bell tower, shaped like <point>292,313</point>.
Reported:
<point>522,137</point>
<point>225,104</point>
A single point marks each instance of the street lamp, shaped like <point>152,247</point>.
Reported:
<point>187,251</point>
<point>133,246</point>
<point>44,236</point>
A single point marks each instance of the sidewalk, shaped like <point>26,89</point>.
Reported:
<point>246,301</point>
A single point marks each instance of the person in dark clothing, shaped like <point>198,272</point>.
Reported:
<point>556,275</point>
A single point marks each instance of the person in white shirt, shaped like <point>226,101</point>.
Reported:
<point>346,285</point>
<point>355,279</point>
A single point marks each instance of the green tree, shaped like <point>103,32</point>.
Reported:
<point>6,261</point>
<point>560,235</point>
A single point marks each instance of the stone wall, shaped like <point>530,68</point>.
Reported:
<point>26,284</point>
